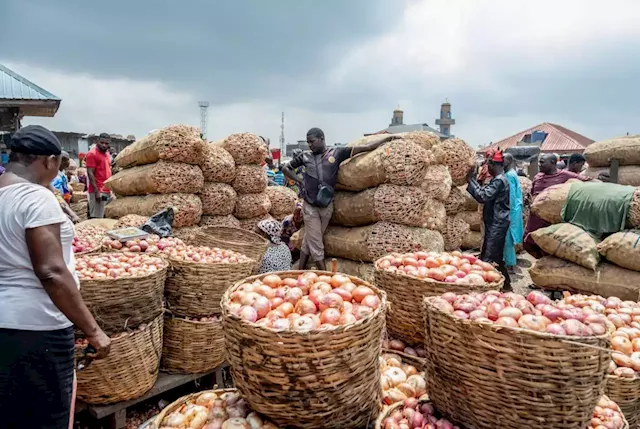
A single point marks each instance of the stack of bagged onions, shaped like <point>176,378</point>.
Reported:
<point>400,380</point>
<point>400,346</point>
<point>117,265</point>
<point>607,415</point>
<point>416,415</point>
<point>307,303</point>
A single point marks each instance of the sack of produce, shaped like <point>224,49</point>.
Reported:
<point>283,201</point>
<point>218,165</point>
<point>131,220</point>
<point>342,330</point>
<point>187,207</point>
<point>626,149</point>
<point>218,199</point>
<point>406,205</point>
<point>454,203</point>
<point>470,203</point>
<point>363,270</point>
<point>473,218</point>
<point>76,197</point>
<point>368,243</point>
<point>455,232</point>
<point>622,248</point>
<point>186,234</point>
<point>250,179</point>
<point>607,280</point>
<point>568,242</point>
<point>252,205</point>
<point>473,241</point>
<point>458,156</point>
<point>80,209</point>
<point>633,218</point>
<point>228,220</point>
<point>77,187</point>
<point>437,182</point>
<point>398,162</point>
<point>526,185</point>
<point>245,148</point>
<point>251,223</point>
<point>548,204</point>
<point>424,139</point>
<point>175,143</point>
<point>157,178</point>
<point>489,342</point>
<point>105,224</point>
<point>627,174</point>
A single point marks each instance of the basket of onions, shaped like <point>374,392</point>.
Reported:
<point>413,413</point>
<point>122,290</point>
<point>401,378</point>
<point>150,244</point>
<point>608,415</point>
<point>415,355</point>
<point>236,239</point>
<point>130,370</point>
<point>199,276</point>
<point>303,347</point>
<point>623,322</point>
<point>192,345</point>
<point>503,360</point>
<point>210,409</point>
<point>407,278</point>
<point>87,239</point>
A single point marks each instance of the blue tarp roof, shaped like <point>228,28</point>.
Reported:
<point>15,87</point>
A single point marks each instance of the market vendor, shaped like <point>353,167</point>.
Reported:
<point>319,181</point>
<point>98,163</point>
<point>290,225</point>
<point>576,163</point>
<point>39,298</point>
<point>278,256</point>
<point>516,229</point>
<point>60,182</point>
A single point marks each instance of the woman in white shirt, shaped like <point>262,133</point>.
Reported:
<point>39,297</point>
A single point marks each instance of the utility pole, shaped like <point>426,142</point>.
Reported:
<point>204,113</point>
<point>282,143</point>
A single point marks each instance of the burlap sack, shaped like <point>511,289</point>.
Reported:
<point>362,270</point>
<point>633,218</point>
<point>622,248</point>
<point>473,218</point>
<point>472,241</point>
<point>470,203</point>
<point>296,239</point>
<point>250,179</point>
<point>548,204</point>
<point>626,149</point>
<point>218,165</point>
<point>186,234</point>
<point>228,220</point>
<point>107,224</point>
<point>283,201</point>
<point>398,162</point>
<point>131,220</point>
<point>373,138</point>
<point>245,148</point>
<point>424,139</point>
<point>187,207</point>
<point>437,182</point>
<point>368,243</point>
<point>175,143</point>
<point>627,174</point>
<point>157,178</point>
<point>76,197</point>
<point>568,242</point>
<point>454,204</point>
<point>250,206</point>
<point>218,199</point>
<point>455,232</point>
<point>250,224</point>
<point>77,187</point>
<point>526,185</point>
<point>607,280</point>
<point>80,209</point>
<point>458,156</point>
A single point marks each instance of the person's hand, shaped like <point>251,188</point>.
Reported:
<point>101,342</point>
<point>471,173</point>
<point>97,194</point>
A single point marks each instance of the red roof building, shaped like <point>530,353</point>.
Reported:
<point>551,138</point>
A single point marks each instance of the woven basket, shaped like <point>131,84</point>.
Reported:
<point>119,304</point>
<point>191,347</point>
<point>130,370</point>
<point>175,405</point>
<point>241,241</point>
<point>194,289</point>
<point>626,393</point>
<point>405,294</point>
<point>318,379</point>
<point>487,376</point>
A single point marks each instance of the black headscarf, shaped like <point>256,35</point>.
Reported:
<point>35,140</point>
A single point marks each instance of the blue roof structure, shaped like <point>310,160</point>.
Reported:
<point>16,91</point>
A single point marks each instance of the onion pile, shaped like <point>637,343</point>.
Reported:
<point>204,255</point>
<point>607,415</point>
<point>400,380</point>
<point>536,312</point>
<point>211,410</point>
<point>87,238</point>
<point>401,346</point>
<point>117,265</point>
<point>414,415</point>
<point>453,267</point>
<point>83,342</point>
<point>150,244</point>
<point>622,319</point>
<point>307,303</point>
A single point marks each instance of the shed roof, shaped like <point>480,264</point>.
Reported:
<point>404,128</point>
<point>17,91</point>
<point>558,140</point>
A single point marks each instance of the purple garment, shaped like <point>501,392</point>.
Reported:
<point>1,170</point>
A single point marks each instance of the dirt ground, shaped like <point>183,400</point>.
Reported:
<point>520,279</point>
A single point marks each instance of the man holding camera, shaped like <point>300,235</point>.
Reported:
<point>98,162</point>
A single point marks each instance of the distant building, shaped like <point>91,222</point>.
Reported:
<point>445,121</point>
<point>76,143</point>
<point>397,124</point>
<point>551,138</point>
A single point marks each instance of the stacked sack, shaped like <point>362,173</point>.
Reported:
<point>160,171</point>
<point>625,149</point>
<point>468,212</point>
<point>252,203</point>
<point>218,195</point>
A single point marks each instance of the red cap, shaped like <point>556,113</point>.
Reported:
<point>497,157</point>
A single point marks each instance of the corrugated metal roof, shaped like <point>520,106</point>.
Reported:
<point>405,128</point>
<point>559,139</point>
<point>15,87</point>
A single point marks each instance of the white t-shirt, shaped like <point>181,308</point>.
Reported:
<point>24,304</point>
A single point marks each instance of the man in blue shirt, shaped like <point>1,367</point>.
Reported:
<point>60,182</point>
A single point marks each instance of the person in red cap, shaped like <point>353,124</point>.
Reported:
<point>495,214</point>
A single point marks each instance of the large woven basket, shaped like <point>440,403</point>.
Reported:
<point>175,405</point>
<point>191,347</point>
<point>405,294</point>
<point>246,242</point>
<point>130,370</point>
<point>194,289</point>
<point>317,379</point>
<point>487,376</point>
<point>118,304</point>
<point>626,393</point>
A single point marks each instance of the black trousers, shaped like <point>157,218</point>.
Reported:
<point>36,378</point>
<point>495,237</point>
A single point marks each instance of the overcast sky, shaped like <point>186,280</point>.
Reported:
<point>128,67</point>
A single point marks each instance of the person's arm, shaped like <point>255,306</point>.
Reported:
<point>289,170</point>
<point>45,251</point>
<point>370,146</point>
<point>92,181</point>
<point>70,213</point>
<point>484,194</point>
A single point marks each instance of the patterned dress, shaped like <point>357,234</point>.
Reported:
<point>276,258</point>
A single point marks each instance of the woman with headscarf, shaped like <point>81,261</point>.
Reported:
<point>278,256</point>
<point>290,225</point>
<point>39,297</point>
